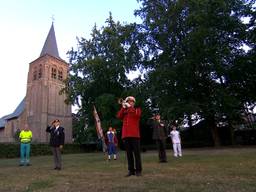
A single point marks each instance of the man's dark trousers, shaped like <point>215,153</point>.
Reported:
<point>132,146</point>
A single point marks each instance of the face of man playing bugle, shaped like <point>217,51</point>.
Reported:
<point>129,102</point>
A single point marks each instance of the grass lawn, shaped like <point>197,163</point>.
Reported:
<point>199,170</point>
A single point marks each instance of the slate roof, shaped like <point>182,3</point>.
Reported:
<point>50,45</point>
<point>2,123</point>
<point>17,112</point>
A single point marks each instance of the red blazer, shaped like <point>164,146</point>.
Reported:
<point>131,120</point>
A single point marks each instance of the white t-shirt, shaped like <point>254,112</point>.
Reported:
<point>175,135</point>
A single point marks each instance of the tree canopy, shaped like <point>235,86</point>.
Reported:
<point>197,55</point>
<point>192,59</point>
<point>98,71</point>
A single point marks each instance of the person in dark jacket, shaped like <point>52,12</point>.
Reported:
<point>159,135</point>
<point>57,138</point>
<point>130,116</point>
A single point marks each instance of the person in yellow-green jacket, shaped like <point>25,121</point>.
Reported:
<point>25,140</point>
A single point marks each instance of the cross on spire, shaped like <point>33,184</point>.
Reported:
<point>53,19</point>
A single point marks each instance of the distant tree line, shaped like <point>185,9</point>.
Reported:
<point>196,61</point>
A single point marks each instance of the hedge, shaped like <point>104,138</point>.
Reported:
<point>12,150</point>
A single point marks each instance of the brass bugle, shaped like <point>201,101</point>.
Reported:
<point>120,101</point>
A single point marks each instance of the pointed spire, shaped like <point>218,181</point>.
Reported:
<point>50,45</point>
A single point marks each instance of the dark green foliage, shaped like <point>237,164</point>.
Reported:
<point>192,62</point>
<point>98,76</point>
<point>197,63</point>
<point>197,136</point>
<point>9,150</point>
<point>245,137</point>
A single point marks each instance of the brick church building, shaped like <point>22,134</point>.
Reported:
<point>42,103</point>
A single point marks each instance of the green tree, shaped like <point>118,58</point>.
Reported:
<point>98,71</point>
<point>192,48</point>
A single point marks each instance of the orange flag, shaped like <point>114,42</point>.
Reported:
<point>99,129</point>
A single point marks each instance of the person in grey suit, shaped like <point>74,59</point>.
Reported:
<point>57,138</point>
<point>159,135</point>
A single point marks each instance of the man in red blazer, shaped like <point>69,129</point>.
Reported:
<point>131,134</point>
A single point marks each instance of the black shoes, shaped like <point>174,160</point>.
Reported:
<point>57,168</point>
<point>130,174</point>
<point>28,164</point>
<point>138,174</point>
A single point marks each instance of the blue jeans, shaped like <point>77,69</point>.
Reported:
<point>24,153</point>
<point>111,149</point>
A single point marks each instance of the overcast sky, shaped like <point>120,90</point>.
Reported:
<point>24,28</point>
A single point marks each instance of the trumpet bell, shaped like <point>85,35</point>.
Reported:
<point>120,101</point>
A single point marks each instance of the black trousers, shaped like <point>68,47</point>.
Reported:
<point>132,147</point>
<point>161,149</point>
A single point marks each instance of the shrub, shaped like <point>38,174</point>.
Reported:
<point>12,150</point>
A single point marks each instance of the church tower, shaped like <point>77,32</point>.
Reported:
<point>43,102</point>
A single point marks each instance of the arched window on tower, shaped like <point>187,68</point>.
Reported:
<point>34,73</point>
<point>54,72</point>
<point>40,72</point>
<point>60,74</point>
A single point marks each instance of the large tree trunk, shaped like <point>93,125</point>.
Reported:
<point>214,130</point>
<point>231,129</point>
<point>215,136</point>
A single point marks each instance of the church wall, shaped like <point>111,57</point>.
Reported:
<point>8,134</point>
<point>2,138</point>
<point>44,103</point>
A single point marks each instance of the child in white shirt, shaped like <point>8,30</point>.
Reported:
<point>176,142</point>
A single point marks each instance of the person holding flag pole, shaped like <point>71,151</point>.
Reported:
<point>99,129</point>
